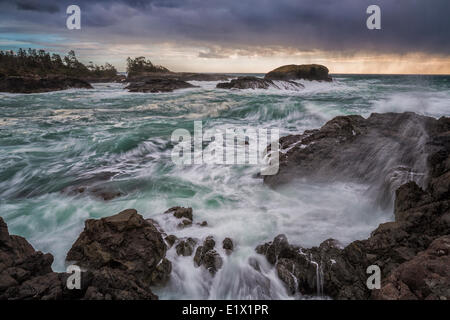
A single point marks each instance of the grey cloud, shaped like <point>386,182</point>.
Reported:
<point>407,26</point>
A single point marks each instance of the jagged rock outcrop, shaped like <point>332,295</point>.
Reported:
<point>100,79</point>
<point>24,272</point>
<point>158,85</point>
<point>303,71</point>
<point>36,84</point>
<point>412,251</point>
<point>249,82</point>
<point>126,242</point>
<point>384,151</point>
<point>206,256</point>
<point>425,277</point>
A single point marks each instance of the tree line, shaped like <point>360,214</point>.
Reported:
<point>40,62</point>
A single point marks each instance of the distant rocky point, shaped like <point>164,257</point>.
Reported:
<point>296,72</point>
<point>390,152</point>
<point>36,84</point>
<point>258,83</point>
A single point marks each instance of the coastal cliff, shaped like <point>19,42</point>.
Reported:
<point>122,255</point>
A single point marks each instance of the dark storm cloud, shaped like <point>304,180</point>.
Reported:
<point>33,5</point>
<point>407,26</point>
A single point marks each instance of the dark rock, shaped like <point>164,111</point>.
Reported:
<point>203,224</point>
<point>121,257</point>
<point>24,272</point>
<point>37,84</point>
<point>424,277</point>
<point>99,192</point>
<point>124,242</point>
<point>116,79</point>
<point>249,82</point>
<point>206,256</point>
<point>383,151</point>
<point>273,249</point>
<point>304,71</point>
<point>185,223</point>
<point>181,212</point>
<point>186,247</point>
<point>171,239</point>
<point>412,251</point>
<point>183,76</point>
<point>228,245</point>
<point>158,85</point>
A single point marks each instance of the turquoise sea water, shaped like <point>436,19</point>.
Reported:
<point>111,138</point>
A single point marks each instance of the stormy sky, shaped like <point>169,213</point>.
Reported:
<point>239,35</point>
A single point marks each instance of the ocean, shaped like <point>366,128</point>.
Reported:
<point>111,138</point>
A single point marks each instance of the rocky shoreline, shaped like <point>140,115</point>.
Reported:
<point>123,255</point>
<point>36,84</point>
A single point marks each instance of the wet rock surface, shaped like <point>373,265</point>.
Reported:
<point>258,83</point>
<point>183,76</point>
<point>426,276</point>
<point>412,251</point>
<point>304,71</point>
<point>24,272</point>
<point>158,85</point>
<point>125,241</point>
<point>35,84</point>
<point>185,216</point>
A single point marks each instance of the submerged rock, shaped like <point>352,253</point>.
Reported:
<point>303,71</point>
<point>35,84</point>
<point>183,76</point>
<point>158,85</point>
<point>24,272</point>
<point>125,241</point>
<point>257,83</point>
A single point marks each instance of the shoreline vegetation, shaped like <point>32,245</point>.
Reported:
<point>36,71</point>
